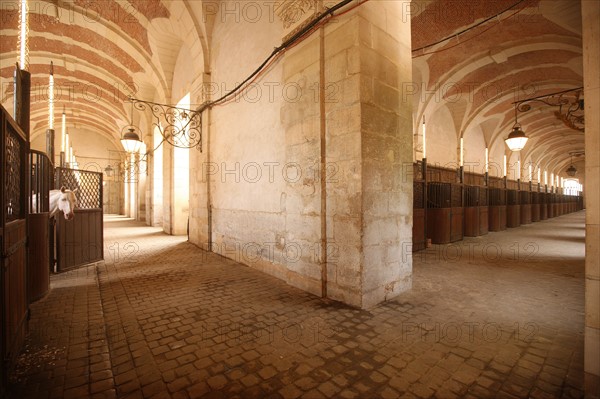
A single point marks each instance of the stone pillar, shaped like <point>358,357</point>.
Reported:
<point>386,150</point>
<point>168,203</point>
<point>369,143</point>
<point>201,173</point>
<point>591,65</point>
<point>364,59</point>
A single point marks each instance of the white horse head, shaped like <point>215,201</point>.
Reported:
<point>63,200</point>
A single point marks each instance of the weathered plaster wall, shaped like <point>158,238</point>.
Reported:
<point>247,166</point>
<point>306,185</point>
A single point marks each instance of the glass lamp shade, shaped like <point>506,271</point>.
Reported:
<point>131,141</point>
<point>571,170</point>
<point>516,140</point>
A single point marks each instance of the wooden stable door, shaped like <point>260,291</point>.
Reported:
<point>14,148</point>
<point>79,241</point>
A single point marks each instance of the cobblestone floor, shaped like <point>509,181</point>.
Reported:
<point>497,316</point>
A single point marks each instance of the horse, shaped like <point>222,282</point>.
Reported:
<point>63,200</point>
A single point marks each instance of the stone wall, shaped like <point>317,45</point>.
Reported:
<point>303,175</point>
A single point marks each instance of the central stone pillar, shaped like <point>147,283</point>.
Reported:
<point>359,129</point>
<point>386,150</point>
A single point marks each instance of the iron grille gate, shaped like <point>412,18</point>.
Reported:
<point>512,197</point>
<point>41,228</point>
<point>14,308</point>
<point>497,197</point>
<point>471,196</point>
<point>41,180</point>
<point>80,240</point>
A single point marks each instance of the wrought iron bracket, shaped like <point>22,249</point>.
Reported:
<point>570,111</point>
<point>180,127</point>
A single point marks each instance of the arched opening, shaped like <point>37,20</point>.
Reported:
<point>157,186</point>
<point>572,187</point>
<point>181,178</point>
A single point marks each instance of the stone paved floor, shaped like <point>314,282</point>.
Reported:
<point>498,316</point>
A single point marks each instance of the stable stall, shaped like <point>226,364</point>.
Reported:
<point>525,206</point>
<point>513,209</point>
<point>444,212</point>
<point>497,209</point>
<point>476,211</point>
<point>535,207</point>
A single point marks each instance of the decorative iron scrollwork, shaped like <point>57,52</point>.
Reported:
<point>570,107</point>
<point>179,127</point>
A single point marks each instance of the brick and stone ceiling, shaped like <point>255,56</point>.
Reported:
<point>102,52</point>
<point>531,49</point>
<point>101,49</point>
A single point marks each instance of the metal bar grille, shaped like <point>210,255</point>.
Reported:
<point>483,196</point>
<point>456,201</point>
<point>88,186</point>
<point>41,181</point>
<point>471,196</point>
<point>512,197</point>
<point>497,197</point>
<point>418,194</point>
<point>12,170</point>
<point>439,195</point>
<point>418,170</point>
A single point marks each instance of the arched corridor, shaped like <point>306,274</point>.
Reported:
<point>499,315</point>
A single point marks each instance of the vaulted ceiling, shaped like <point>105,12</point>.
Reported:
<point>477,58</point>
<point>104,50</point>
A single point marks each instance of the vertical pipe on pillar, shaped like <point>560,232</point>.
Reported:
<point>424,139</point>
<point>66,151</point>
<point>487,167</point>
<point>424,165</point>
<point>461,169</point>
<point>323,163</point>
<point>51,97</point>
<point>50,130</point>
<point>487,160</point>
<point>22,86</point>
<point>425,199</point>
<point>209,207</point>
<point>23,35</point>
<point>50,144</point>
<point>63,139</point>
<point>462,151</point>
